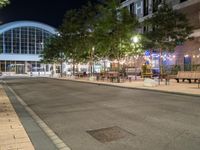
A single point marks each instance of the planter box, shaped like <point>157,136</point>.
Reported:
<point>150,82</point>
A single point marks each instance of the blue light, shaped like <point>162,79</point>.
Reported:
<point>147,53</point>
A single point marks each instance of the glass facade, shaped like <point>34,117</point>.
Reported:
<point>23,40</point>
<point>21,44</point>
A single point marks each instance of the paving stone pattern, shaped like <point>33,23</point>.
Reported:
<point>12,134</point>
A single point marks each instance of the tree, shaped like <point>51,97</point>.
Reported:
<point>95,32</point>
<point>115,28</point>
<point>53,52</point>
<point>71,35</point>
<point>169,28</point>
<point>4,3</point>
<point>77,33</point>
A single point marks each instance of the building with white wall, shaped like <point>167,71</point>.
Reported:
<point>21,44</point>
<point>189,52</point>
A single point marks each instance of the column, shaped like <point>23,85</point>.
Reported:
<point>4,46</point>
<point>12,51</point>
<point>27,40</point>
<point>15,67</point>
<point>20,41</point>
<point>5,67</point>
<point>26,69</point>
<point>35,41</point>
<point>54,69</point>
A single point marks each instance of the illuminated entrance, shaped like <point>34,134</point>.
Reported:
<point>20,69</point>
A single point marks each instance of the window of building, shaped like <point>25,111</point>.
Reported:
<point>145,7</point>
<point>24,40</point>
<point>138,8</point>
<point>1,43</point>
<point>132,9</point>
<point>156,3</point>
<point>24,36</point>
<point>8,43</point>
<point>182,1</point>
<point>145,29</point>
<point>16,40</point>
<point>31,40</point>
<point>39,41</point>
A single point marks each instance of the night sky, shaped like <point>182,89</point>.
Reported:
<point>50,12</point>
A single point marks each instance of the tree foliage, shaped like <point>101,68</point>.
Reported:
<point>4,3</point>
<point>115,27</point>
<point>77,33</point>
<point>168,28</point>
<point>53,50</point>
<point>98,31</point>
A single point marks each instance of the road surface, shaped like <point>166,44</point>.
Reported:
<point>137,119</point>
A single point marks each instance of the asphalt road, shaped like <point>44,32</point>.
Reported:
<point>150,120</point>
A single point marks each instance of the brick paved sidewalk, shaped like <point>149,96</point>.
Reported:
<point>12,134</point>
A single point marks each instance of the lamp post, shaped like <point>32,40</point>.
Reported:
<point>135,40</point>
<point>92,62</point>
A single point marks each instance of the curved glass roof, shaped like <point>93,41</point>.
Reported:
<point>17,24</point>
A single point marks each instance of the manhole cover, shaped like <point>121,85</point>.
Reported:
<point>108,134</point>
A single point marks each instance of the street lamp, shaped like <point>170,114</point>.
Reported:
<point>135,40</point>
<point>92,61</point>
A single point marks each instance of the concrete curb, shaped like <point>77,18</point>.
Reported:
<point>54,138</point>
<point>134,88</point>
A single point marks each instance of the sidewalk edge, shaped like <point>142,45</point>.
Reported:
<point>125,87</point>
<point>54,138</point>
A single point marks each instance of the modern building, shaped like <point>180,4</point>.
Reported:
<point>21,44</point>
<point>188,53</point>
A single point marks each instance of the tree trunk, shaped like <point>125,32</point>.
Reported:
<point>73,68</point>
<point>118,70</point>
<point>91,69</point>
<point>104,66</point>
<point>61,69</point>
<point>161,62</point>
<point>161,65</point>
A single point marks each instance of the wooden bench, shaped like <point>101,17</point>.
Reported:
<point>188,75</point>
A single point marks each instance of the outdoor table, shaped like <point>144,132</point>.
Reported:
<point>113,75</point>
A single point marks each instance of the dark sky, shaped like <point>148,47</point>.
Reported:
<point>47,11</point>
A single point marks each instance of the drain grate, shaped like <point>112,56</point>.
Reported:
<point>108,134</point>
